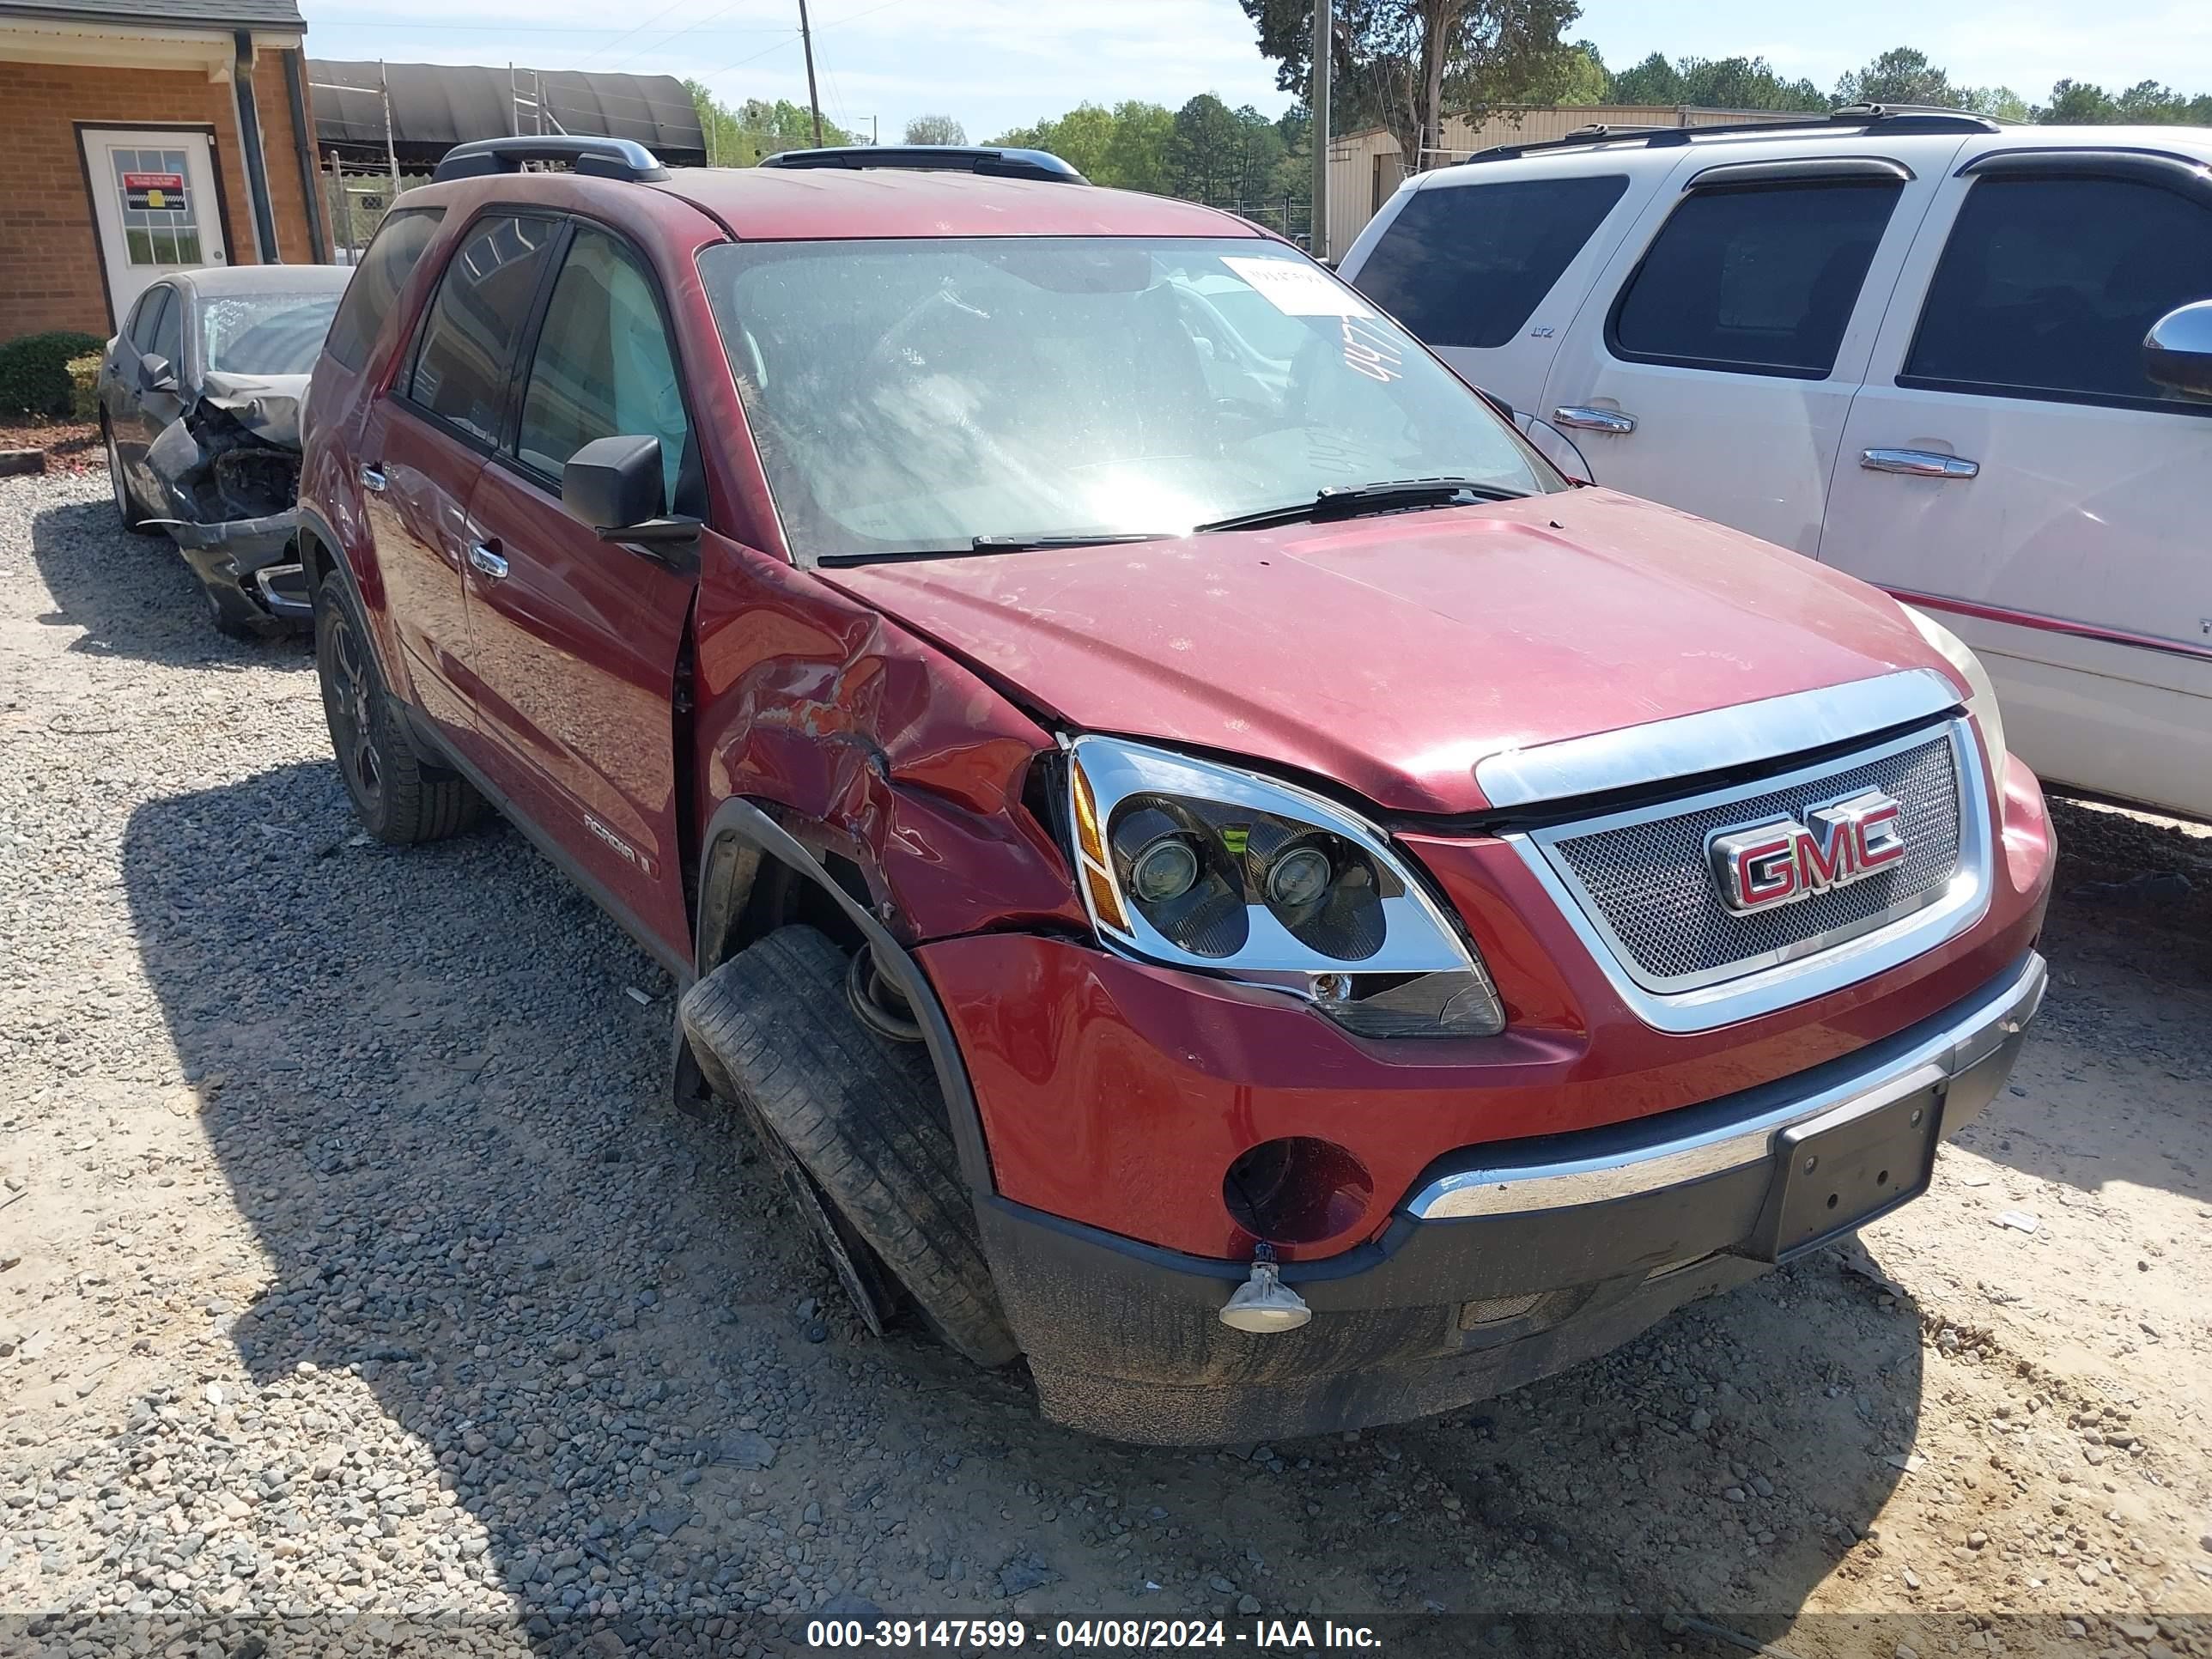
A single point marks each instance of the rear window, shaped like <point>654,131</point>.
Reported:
<point>1468,265</point>
<point>376,283</point>
<point>1756,282</point>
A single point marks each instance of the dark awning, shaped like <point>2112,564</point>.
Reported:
<point>437,105</point>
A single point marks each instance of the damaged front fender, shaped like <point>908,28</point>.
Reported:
<point>816,704</point>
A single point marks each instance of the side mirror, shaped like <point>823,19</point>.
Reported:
<point>616,485</point>
<point>156,374</point>
<point>2177,353</point>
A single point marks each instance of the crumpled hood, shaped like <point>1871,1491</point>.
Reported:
<point>266,405</point>
<point>1391,654</point>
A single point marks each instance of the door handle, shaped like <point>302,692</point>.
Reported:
<point>1583,419</point>
<point>372,477</point>
<point>482,556</point>
<point>1918,463</point>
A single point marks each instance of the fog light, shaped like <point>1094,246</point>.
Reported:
<point>1263,1304</point>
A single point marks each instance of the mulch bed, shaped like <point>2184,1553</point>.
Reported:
<point>71,446</point>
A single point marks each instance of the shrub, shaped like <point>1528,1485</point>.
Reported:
<point>84,374</point>
<point>34,375</point>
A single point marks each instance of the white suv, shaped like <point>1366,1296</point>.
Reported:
<point>1969,362</point>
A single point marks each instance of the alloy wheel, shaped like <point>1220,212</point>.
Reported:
<point>350,694</point>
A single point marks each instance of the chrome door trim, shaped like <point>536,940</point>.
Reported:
<point>1795,973</point>
<point>483,559</point>
<point>1712,740</point>
<point>1919,464</point>
<point>1698,1142</point>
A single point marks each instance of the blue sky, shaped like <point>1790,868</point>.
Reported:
<point>994,63</point>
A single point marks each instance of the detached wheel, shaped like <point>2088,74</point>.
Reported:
<point>399,795</point>
<point>862,1120</point>
<point>126,500</point>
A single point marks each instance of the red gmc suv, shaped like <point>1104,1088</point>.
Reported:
<point>1206,863</point>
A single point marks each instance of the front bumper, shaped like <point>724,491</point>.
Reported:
<point>1503,1264</point>
<point>257,559</point>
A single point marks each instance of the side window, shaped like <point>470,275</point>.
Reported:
<point>475,319</point>
<point>376,282</point>
<point>169,332</point>
<point>1757,281</point>
<point>2047,287</point>
<point>604,367</point>
<point>146,321</point>
<point>1468,265</point>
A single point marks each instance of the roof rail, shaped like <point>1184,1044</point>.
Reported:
<point>993,163</point>
<point>597,158</point>
<point>1894,120</point>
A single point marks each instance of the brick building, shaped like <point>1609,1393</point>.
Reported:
<point>143,140</point>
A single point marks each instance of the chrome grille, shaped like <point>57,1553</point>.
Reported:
<point>1650,884</point>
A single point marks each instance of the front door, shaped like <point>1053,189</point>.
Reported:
<point>574,640</point>
<point>154,201</point>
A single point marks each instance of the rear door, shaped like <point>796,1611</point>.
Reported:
<point>446,412</point>
<point>2009,465</point>
<point>574,640</point>
<point>1714,370</point>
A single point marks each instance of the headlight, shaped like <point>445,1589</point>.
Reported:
<point>1201,865</point>
<point>1982,704</point>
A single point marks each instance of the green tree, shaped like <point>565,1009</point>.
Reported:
<point>2001,103</point>
<point>1899,76</point>
<point>1401,63</point>
<point>1654,80</point>
<point>739,137</point>
<point>1205,151</point>
<point>1713,83</point>
<point>935,130</point>
<point>2077,103</point>
<point>1125,147</point>
<point>1581,77</point>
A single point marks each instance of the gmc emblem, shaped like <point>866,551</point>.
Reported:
<point>1770,865</point>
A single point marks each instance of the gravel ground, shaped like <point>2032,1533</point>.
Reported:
<point>357,1281</point>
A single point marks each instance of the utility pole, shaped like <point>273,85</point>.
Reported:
<point>1323,43</point>
<point>814,98</point>
<point>392,149</point>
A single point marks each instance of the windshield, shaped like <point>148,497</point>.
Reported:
<point>911,396</point>
<point>264,333</point>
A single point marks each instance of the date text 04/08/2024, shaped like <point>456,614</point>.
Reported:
<point>954,1634</point>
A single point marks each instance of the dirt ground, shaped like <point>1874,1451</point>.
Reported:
<point>351,1263</point>
<point>71,446</point>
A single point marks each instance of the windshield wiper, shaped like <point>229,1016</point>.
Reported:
<point>1359,501</point>
<point>1031,543</point>
<point>999,544</point>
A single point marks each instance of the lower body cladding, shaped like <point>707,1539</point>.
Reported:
<point>1505,1263</point>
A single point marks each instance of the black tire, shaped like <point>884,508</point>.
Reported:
<point>772,1032</point>
<point>400,795</point>
<point>126,499</point>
